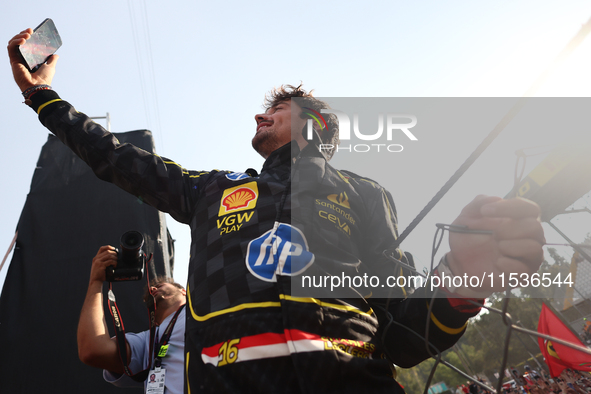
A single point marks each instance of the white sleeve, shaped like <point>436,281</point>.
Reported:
<point>139,347</point>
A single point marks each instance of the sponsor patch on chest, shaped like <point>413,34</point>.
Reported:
<point>233,204</point>
<point>337,211</point>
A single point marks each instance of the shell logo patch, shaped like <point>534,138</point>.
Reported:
<point>239,198</point>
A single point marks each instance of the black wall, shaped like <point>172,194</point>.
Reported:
<point>68,215</point>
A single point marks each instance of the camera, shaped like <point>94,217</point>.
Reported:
<point>130,259</point>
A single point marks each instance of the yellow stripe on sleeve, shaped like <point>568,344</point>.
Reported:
<point>46,104</point>
<point>444,328</point>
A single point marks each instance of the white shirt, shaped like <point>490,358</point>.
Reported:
<point>173,363</point>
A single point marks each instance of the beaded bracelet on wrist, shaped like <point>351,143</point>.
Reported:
<point>34,89</point>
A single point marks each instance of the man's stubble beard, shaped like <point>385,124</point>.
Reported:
<point>264,142</point>
<point>166,299</point>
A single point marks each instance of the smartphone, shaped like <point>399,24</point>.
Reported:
<point>43,43</point>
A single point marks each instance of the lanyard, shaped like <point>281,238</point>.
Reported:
<point>120,330</point>
<point>120,335</point>
<point>162,348</point>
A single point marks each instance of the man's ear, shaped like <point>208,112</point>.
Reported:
<point>318,130</point>
<point>316,136</point>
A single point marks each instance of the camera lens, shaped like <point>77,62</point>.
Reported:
<point>132,240</point>
<point>131,249</point>
<point>130,258</point>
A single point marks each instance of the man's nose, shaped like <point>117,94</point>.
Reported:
<point>260,117</point>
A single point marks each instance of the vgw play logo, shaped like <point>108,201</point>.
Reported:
<point>282,250</point>
<point>396,124</point>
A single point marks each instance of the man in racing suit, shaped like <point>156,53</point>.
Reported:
<point>245,331</point>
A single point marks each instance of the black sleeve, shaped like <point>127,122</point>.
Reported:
<point>403,319</point>
<point>403,325</point>
<point>156,180</point>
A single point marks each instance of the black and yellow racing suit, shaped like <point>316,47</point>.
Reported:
<point>251,235</point>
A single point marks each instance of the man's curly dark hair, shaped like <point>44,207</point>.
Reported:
<point>306,99</point>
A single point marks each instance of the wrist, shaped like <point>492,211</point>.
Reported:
<point>30,91</point>
<point>41,99</point>
<point>24,86</point>
<point>95,285</point>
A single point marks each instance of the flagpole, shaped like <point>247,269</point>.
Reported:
<point>553,339</point>
<point>526,349</point>
<point>585,350</point>
<point>561,317</point>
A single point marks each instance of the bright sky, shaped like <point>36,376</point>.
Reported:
<point>205,67</point>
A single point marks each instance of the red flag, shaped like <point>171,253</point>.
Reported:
<point>558,357</point>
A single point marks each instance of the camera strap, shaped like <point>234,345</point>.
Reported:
<point>120,330</point>
<point>162,348</point>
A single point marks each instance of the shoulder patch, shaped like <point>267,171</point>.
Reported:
<point>236,176</point>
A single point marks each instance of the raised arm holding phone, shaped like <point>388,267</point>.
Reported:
<point>246,332</point>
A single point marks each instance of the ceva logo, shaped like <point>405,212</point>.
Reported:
<point>239,198</point>
<point>282,250</point>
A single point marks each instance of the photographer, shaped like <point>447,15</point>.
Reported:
<point>97,349</point>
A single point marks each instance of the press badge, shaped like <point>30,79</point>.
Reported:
<point>156,381</point>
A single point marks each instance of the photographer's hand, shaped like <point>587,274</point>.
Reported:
<point>22,76</point>
<point>95,346</point>
<point>106,257</point>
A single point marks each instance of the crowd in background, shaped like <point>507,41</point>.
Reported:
<point>569,382</point>
<point>537,382</point>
